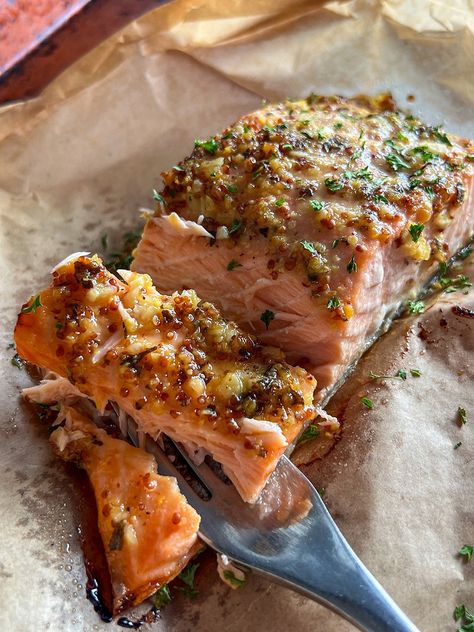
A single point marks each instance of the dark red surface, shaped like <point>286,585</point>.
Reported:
<point>40,38</point>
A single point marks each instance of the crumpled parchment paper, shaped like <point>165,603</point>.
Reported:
<point>76,164</point>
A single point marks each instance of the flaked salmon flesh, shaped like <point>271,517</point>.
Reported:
<point>172,363</point>
<point>148,530</point>
<point>310,222</point>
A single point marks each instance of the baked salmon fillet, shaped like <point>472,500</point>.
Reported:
<point>310,222</point>
<point>172,363</point>
<point>148,530</point>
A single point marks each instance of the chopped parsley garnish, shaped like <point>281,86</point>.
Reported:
<point>378,197</point>
<point>317,205</point>
<point>235,581</point>
<point>187,576</point>
<point>333,302</point>
<point>402,374</point>
<point>232,188</point>
<point>462,416</point>
<point>287,146</point>
<point>333,185</point>
<point>17,361</point>
<point>457,445</point>
<point>396,162</point>
<point>308,246</point>
<point>368,403</point>
<point>415,231</point>
<point>362,174</point>
<point>233,264</point>
<point>416,307</point>
<point>309,433</point>
<point>335,243</point>
<point>280,202</point>
<point>352,265</point>
<point>415,372</point>
<point>441,136</point>
<point>338,125</point>
<point>33,306</point>
<point>424,152</point>
<point>466,616</point>
<point>162,597</point>
<point>460,282</point>
<point>235,226</point>
<point>211,146</point>
<point>266,317</point>
<point>158,197</point>
<point>466,551</point>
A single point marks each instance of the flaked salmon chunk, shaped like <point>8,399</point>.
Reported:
<point>148,530</point>
<point>172,363</point>
<point>311,221</point>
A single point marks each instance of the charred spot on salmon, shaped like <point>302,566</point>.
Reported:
<point>85,272</point>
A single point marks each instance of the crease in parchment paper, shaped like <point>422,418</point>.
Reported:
<point>78,162</point>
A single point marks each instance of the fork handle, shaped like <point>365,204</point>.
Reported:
<point>334,576</point>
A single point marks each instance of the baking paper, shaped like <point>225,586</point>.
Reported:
<point>78,163</point>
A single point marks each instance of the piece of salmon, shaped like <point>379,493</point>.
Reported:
<point>310,222</point>
<point>148,530</point>
<point>172,363</point>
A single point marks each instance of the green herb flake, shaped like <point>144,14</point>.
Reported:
<point>441,136</point>
<point>211,146</point>
<point>235,226</point>
<point>466,616</point>
<point>188,574</point>
<point>462,416</point>
<point>33,305</point>
<point>162,597</point>
<point>287,146</point>
<point>466,551</point>
<point>232,579</point>
<point>17,361</point>
<point>368,403</point>
<point>266,317</point>
<point>333,185</point>
<point>457,445</point>
<point>317,205</point>
<point>338,125</point>
<point>425,154</point>
<point>378,197</point>
<point>363,174</point>
<point>415,231</point>
<point>396,162</point>
<point>352,265</point>
<point>310,432</point>
<point>308,246</point>
<point>158,197</point>
<point>335,243</point>
<point>232,188</point>
<point>233,264</point>
<point>416,307</point>
<point>415,372</point>
<point>333,303</point>
<point>402,374</point>
<point>280,202</point>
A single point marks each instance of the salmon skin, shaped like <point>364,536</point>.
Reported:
<point>148,530</point>
<point>310,222</point>
<point>172,363</point>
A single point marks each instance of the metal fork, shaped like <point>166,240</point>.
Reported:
<point>287,536</point>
